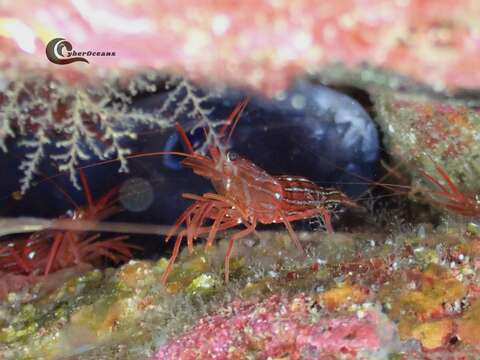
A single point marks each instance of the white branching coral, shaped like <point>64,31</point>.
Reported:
<point>187,101</point>
<point>70,125</point>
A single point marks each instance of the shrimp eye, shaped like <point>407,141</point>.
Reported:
<point>232,156</point>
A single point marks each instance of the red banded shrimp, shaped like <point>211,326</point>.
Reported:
<point>247,195</point>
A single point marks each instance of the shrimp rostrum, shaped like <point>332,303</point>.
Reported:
<point>245,195</point>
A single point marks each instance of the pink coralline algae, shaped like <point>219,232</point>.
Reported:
<point>261,44</point>
<point>281,326</point>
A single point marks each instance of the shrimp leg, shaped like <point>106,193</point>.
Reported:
<point>293,235</point>
<point>250,228</point>
<point>53,252</point>
<point>311,213</point>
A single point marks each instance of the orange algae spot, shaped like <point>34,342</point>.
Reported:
<point>418,300</point>
<point>112,316</point>
<point>459,118</point>
<point>472,248</point>
<point>433,334</point>
<point>468,325</point>
<point>434,287</point>
<point>343,295</point>
<point>131,273</point>
<point>174,287</point>
<point>17,195</point>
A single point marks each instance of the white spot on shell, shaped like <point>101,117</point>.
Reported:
<point>136,194</point>
<point>298,101</point>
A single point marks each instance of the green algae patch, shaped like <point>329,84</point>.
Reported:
<point>17,332</point>
<point>185,271</point>
<point>204,285</point>
<point>91,305</point>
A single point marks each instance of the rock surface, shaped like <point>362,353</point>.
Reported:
<point>361,294</point>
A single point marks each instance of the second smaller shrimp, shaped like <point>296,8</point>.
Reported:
<point>449,196</point>
<point>50,250</point>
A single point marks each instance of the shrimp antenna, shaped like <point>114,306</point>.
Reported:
<point>51,179</point>
<point>233,118</point>
<point>243,105</point>
<point>184,137</point>
<point>86,188</point>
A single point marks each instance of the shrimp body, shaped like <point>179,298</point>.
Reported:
<point>248,195</point>
<point>302,194</point>
<point>251,190</point>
